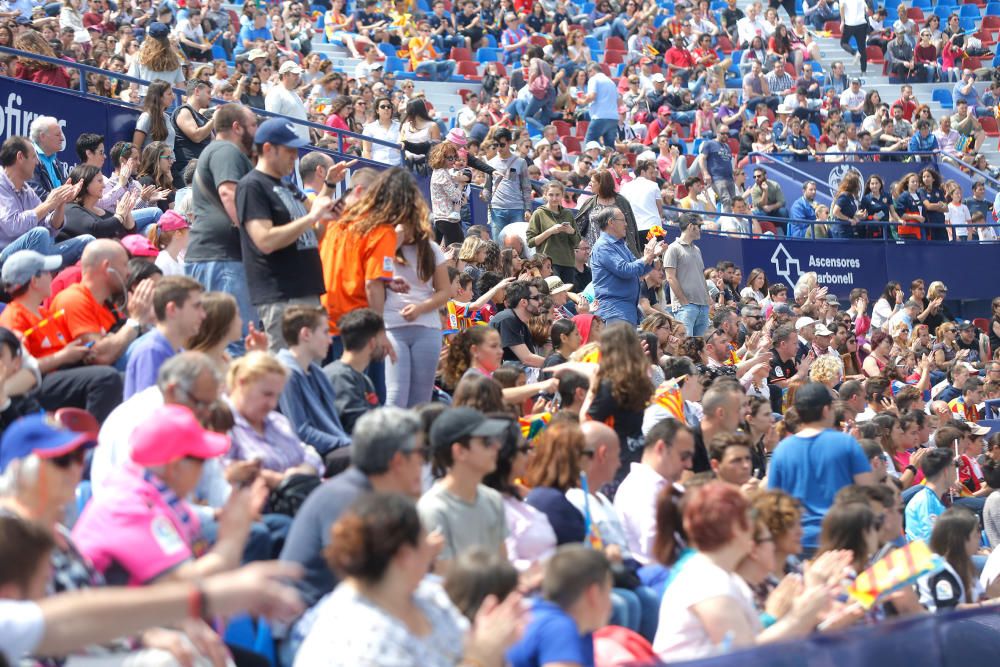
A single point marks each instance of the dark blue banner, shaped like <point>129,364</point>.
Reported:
<point>23,102</point>
<point>958,639</point>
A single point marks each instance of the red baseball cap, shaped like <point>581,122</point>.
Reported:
<point>173,433</point>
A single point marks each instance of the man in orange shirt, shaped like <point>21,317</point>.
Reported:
<point>86,317</point>
<point>27,277</point>
<point>424,60</point>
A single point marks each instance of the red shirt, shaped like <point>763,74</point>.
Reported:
<point>678,57</point>
<point>50,76</point>
<point>908,108</point>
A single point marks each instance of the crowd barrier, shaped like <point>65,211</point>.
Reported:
<point>958,639</point>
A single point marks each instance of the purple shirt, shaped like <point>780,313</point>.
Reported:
<point>17,211</point>
<point>278,448</point>
<point>144,361</point>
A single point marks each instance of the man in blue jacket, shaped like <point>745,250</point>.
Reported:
<point>803,209</point>
<point>616,271</point>
<point>309,398</point>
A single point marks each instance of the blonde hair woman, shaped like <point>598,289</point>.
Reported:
<point>260,432</point>
<point>826,370</point>
<point>473,253</point>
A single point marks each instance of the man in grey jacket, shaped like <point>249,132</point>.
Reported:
<point>508,189</point>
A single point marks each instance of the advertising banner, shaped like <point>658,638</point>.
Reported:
<point>22,102</point>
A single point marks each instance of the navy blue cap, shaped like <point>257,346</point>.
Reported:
<point>158,30</point>
<point>279,132</point>
<point>41,435</point>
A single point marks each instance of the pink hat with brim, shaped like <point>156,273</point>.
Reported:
<point>172,433</point>
<point>139,246</point>
<point>172,221</point>
<point>457,136</point>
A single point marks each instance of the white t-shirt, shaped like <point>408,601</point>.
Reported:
<point>281,100</point>
<point>854,11</point>
<point>517,229</point>
<point>169,265</point>
<point>21,628</point>
<point>740,226</point>
<point>680,634</point>
<point>643,194</point>
<point>850,99</point>
<point>958,217</point>
<point>380,152</point>
<point>420,290</point>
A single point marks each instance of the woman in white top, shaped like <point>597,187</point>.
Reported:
<point>170,236</point>
<point>956,537</point>
<point>70,16</point>
<point>384,611</point>
<point>887,305</point>
<point>708,608</point>
<point>756,288</point>
<point>419,130</point>
<point>530,539</point>
<point>385,128</point>
<point>412,323</point>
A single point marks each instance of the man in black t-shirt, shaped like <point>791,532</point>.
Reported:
<point>522,301</point>
<point>783,367</point>
<point>277,233</point>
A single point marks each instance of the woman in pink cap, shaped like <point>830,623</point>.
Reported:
<point>170,236</point>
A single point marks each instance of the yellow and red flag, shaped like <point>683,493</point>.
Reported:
<point>900,568</point>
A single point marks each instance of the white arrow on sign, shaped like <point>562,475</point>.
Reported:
<point>783,262</point>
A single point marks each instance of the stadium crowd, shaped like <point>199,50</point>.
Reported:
<point>548,438</point>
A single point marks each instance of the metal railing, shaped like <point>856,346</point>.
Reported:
<point>84,92</point>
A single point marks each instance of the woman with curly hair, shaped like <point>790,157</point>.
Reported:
<point>477,352</point>
<point>782,514</point>
<point>157,59</point>
<point>827,371</point>
<point>37,71</point>
<point>154,122</point>
<point>360,245</point>
<point>620,390</point>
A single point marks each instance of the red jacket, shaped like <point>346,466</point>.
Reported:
<point>51,76</point>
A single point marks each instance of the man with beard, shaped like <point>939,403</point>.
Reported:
<point>751,320</point>
<point>214,256</point>
<point>88,317</point>
<point>523,301</point>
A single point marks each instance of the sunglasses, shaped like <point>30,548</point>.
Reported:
<point>76,457</point>
<point>385,106</point>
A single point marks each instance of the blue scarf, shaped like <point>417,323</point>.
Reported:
<point>50,166</point>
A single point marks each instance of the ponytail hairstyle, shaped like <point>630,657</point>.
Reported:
<point>161,239</point>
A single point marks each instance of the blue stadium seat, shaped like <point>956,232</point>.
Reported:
<point>944,97</point>
<point>943,12</point>
<point>969,11</point>
<point>592,43</point>
<point>388,49</point>
<point>921,4</point>
<point>587,7</point>
<point>993,9</point>
<point>491,41</point>
<point>660,19</point>
<point>996,60</point>
<point>486,54</point>
<point>947,3</point>
<point>394,64</point>
<point>891,15</point>
<point>969,24</point>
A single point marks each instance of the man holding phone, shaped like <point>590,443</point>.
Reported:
<point>508,189</point>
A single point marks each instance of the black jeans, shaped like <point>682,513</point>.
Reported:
<point>449,230</point>
<point>860,35</point>
<point>96,389</point>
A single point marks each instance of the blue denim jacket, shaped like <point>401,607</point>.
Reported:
<point>616,279</point>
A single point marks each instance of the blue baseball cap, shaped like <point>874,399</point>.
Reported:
<point>41,435</point>
<point>158,30</point>
<point>279,132</point>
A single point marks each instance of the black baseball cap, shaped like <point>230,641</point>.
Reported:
<point>812,396</point>
<point>455,424</point>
